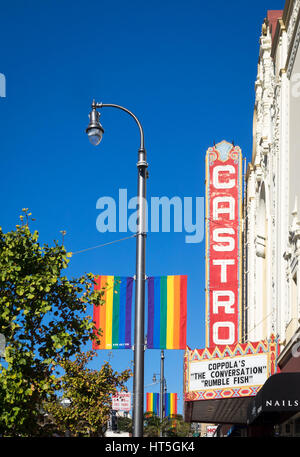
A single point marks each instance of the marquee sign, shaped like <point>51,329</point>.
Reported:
<point>234,371</point>
<point>223,244</point>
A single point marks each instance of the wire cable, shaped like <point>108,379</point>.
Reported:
<point>105,244</point>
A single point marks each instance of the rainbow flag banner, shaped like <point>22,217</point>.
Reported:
<point>170,402</point>
<point>152,403</point>
<point>167,312</point>
<point>114,316</point>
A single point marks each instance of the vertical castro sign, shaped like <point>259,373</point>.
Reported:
<point>223,244</point>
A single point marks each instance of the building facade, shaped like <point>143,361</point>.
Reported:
<point>272,215</point>
<point>272,198</point>
<point>270,247</point>
<point>270,233</point>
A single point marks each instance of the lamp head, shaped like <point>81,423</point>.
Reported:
<point>94,129</point>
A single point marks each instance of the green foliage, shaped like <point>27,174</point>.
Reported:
<point>44,320</point>
<point>125,424</point>
<point>153,426</point>
<point>169,426</point>
<point>89,393</point>
<point>177,427</point>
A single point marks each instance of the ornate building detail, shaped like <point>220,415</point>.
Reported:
<point>293,21</point>
<point>272,216</point>
<point>295,44</point>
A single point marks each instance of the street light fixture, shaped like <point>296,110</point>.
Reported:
<point>95,132</point>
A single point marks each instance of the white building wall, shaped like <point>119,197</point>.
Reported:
<point>273,185</point>
<point>260,201</point>
<point>292,246</point>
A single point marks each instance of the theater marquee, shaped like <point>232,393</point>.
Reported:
<point>235,371</point>
<point>223,244</point>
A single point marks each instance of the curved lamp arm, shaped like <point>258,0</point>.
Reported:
<point>111,105</point>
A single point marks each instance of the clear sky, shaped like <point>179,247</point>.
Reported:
<point>186,69</point>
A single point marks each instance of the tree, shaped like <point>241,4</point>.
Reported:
<point>169,426</point>
<point>153,426</point>
<point>43,317</point>
<point>89,395</point>
<point>125,424</point>
<point>177,427</point>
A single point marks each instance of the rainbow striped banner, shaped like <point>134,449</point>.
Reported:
<point>114,316</point>
<point>167,312</point>
<point>170,402</point>
<point>152,403</point>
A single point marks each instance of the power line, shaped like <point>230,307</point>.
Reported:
<point>105,244</point>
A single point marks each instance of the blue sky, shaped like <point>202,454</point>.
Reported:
<point>187,70</point>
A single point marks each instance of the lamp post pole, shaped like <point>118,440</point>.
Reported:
<point>162,385</point>
<point>95,132</point>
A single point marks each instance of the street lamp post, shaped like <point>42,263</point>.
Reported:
<point>162,383</point>
<point>95,132</point>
